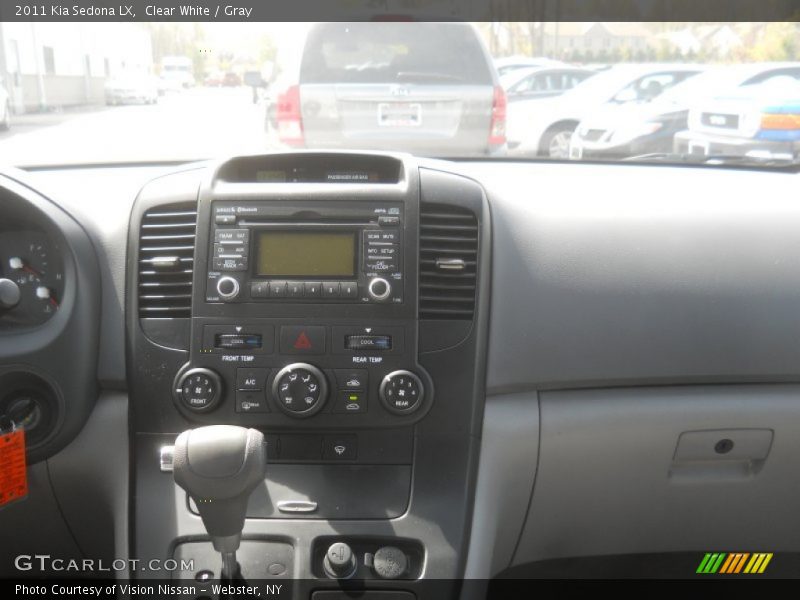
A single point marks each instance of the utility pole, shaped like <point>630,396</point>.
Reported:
<point>39,76</point>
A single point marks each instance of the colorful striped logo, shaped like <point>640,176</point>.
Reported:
<point>734,563</point>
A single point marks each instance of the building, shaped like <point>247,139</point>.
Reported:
<point>713,40</point>
<point>52,65</point>
<point>595,39</point>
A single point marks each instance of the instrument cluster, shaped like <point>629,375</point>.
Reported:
<point>31,278</point>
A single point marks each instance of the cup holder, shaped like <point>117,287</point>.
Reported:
<point>28,401</point>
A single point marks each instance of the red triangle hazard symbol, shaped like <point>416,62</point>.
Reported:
<point>302,342</point>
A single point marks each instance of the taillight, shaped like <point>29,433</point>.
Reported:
<point>780,121</point>
<point>497,130</point>
<point>289,118</point>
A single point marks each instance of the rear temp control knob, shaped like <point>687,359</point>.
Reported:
<point>227,288</point>
<point>401,392</point>
<point>199,389</point>
<point>379,289</point>
<point>300,389</point>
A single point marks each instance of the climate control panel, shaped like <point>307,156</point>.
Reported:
<point>264,372</point>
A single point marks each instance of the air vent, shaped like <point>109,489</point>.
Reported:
<point>166,258</point>
<point>448,256</point>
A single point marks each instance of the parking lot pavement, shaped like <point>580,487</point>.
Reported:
<point>193,124</point>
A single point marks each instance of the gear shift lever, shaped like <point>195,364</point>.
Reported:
<point>219,466</point>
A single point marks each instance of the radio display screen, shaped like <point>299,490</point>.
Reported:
<point>306,254</point>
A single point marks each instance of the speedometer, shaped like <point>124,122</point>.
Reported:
<point>31,278</point>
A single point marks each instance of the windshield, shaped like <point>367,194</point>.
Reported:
<point>123,92</point>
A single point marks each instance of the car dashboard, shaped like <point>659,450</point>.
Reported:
<point>473,366</point>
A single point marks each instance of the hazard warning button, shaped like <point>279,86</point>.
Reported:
<point>303,339</point>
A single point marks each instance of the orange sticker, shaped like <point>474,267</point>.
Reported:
<point>13,476</point>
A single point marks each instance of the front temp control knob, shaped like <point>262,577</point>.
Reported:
<point>401,392</point>
<point>300,389</point>
<point>339,562</point>
<point>379,289</point>
<point>199,389</point>
<point>227,288</point>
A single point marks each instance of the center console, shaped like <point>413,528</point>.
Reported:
<point>335,302</point>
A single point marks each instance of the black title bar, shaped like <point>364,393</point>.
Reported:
<point>399,10</point>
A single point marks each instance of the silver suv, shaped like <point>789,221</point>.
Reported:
<point>426,88</point>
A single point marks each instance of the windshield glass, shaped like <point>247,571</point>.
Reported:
<point>119,92</point>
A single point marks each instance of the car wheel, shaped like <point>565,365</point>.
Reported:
<point>5,124</point>
<point>555,143</point>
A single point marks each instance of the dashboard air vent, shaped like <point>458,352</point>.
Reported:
<point>166,258</point>
<point>448,256</point>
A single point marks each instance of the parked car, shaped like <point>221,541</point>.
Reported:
<point>231,79</point>
<point>619,131</point>
<point>213,79</point>
<point>544,127</point>
<point>5,108</point>
<point>429,89</point>
<point>758,122</point>
<point>510,64</point>
<point>177,73</point>
<point>542,82</point>
<point>131,88</point>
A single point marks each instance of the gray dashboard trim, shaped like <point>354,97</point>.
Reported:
<point>641,275</point>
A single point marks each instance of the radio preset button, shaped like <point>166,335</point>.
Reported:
<point>295,289</point>
<point>330,289</point>
<point>348,289</point>
<point>311,289</point>
<point>277,289</point>
<point>259,289</point>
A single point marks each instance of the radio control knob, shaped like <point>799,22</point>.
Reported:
<point>227,288</point>
<point>401,392</point>
<point>379,289</point>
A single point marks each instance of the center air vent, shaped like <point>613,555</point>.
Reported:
<point>166,258</point>
<point>448,253</point>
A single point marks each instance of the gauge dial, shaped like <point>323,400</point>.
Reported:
<point>31,278</point>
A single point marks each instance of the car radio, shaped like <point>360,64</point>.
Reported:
<point>312,252</point>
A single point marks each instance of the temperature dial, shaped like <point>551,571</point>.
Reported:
<point>401,392</point>
<point>300,389</point>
